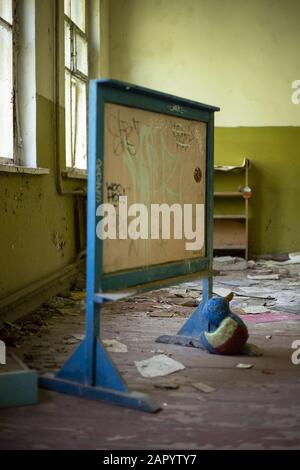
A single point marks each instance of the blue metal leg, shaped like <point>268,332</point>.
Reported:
<point>90,373</point>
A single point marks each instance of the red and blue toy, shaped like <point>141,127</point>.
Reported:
<point>223,331</point>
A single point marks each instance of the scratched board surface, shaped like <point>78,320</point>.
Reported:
<point>151,158</point>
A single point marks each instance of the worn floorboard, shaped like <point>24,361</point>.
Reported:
<point>258,408</point>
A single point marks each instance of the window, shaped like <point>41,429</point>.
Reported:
<point>6,82</point>
<point>76,82</point>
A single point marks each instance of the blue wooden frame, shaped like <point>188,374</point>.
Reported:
<point>90,371</point>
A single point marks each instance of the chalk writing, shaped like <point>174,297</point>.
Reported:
<point>99,183</point>
<point>114,191</point>
<point>176,108</point>
<point>125,134</point>
<point>183,137</point>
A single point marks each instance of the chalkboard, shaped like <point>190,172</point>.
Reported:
<point>150,149</point>
<point>152,158</point>
<point>146,148</point>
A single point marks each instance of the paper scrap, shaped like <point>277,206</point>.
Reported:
<point>203,387</point>
<point>254,293</point>
<point>158,366</point>
<point>162,306</point>
<point>79,337</point>
<point>244,366</point>
<point>191,303</point>
<point>222,291</point>
<point>113,345</point>
<point>262,277</point>
<point>78,295</point>
<point>178,292</point>
<point>255,309</point>
<point>161,314</point>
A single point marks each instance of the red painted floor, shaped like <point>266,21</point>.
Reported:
<point>257,408</point>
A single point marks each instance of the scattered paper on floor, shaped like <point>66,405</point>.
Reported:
<point>255,309</point>
<point>113,345</point>
<point>203,387</point>
<point>222,291</point>
<point>158,366</point>
<point>161,314</point>
<point>244,366</point>
<point>79,337</point>
<point>264,277</point>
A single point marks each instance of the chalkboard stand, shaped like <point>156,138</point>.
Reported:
<point>90,372</point>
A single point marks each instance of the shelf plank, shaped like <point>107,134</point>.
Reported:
<point>228,194</point>
<point>233,168</point>
<point>230,247</point>
<point>230,216</point>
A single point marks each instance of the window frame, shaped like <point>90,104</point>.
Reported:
<point>13,28</point>
<point>77,74</point>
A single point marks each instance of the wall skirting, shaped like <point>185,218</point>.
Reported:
<point>34,295</point>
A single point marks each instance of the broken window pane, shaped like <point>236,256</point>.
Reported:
<point>68,120</point>
<point>67,8</point>
<point>76,63</point>
<point>6,93</point>
<point>68,45</point>
<point>82,54</point>
<point>6,10</point>
<point>76,122</point>
<point>78,13</point>
<point>79,128</point>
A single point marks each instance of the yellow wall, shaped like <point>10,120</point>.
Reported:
<point>242,56</point>
<point>274,224</point>
<point>38,231</point>
<point>239,55</point>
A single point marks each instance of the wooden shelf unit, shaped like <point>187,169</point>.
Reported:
<point>231,214</point>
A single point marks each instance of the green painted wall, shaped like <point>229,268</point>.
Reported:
<point>274,224</point>
<point>243,57</point>
<point>37,230</point>
<point>37,233</point>
<point>239,55</point>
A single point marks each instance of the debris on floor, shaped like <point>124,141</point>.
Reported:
<point>229,263</point>
<point>263,277</point>
<point>158,366</point>
<point>252,350</point>
<point>191,303</point>
<point>78,295</point>
<point>221,291</point>
<point>40,339</point>
<point>242,365</point>
<point>252,309</point>
<point>113,345</point>
<point>203,387</point>
<point>161,314</point>
<point>166,385</point>
<point>79,337</point>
